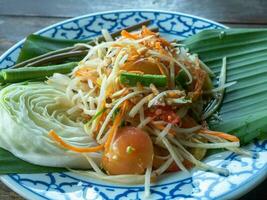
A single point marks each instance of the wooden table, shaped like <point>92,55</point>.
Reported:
<point>20,18</point>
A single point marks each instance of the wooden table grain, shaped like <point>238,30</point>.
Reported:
<point>18,18</point>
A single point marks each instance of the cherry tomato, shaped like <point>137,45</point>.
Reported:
<point>142,65</point>
<point>130,153</point>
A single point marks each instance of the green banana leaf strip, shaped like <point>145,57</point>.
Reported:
<point>36,45</point>
<point>10,164</point>
<point>244,108</point>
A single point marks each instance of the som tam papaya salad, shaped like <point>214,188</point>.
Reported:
<point>130,110</point>
<point>142,97</point>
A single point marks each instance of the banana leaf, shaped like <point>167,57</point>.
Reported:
<point>11,164</point>
<point>244,107</point>
<point>36,45</point>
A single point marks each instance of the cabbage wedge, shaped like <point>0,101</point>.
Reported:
<point>28,112</point>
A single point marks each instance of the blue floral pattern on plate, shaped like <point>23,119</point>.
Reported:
<point>245,172</point>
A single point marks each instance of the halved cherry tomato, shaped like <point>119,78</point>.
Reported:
<point>142,65</point>
<point>130,153</point>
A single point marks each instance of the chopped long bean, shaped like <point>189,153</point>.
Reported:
<point>34,73</point>
<point>145,79</point>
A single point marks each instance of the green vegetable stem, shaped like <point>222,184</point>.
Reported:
<point>132,79</point>
<point>33,73</point>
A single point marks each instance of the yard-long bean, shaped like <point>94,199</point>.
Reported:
<point>34,73</point>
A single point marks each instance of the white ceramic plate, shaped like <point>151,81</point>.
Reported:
<point>246,173</point>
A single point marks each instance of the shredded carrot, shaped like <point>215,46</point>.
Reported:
<point>145,31</point>
<point>133,53</point>
<point>87,74</point>
<point>220,134</point>
<point>113,130</point>
<point>161,69</point>
<point>126,34</point>
<point>98,126</point>
<point>54,135</point>
<point>83,71</point>
<point>158,45</point>
<point>116,125</point>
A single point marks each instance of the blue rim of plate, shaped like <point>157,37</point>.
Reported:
<point>11,182</point>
